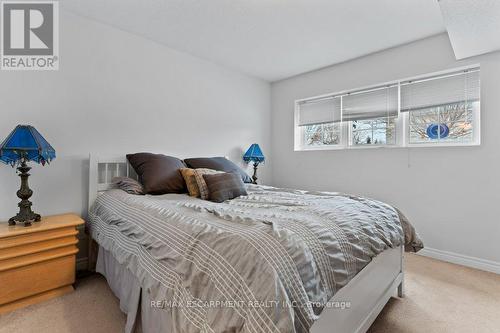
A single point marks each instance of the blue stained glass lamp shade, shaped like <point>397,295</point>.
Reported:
<point>254,154</point>
<point>25,142</point>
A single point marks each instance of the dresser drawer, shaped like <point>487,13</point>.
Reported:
<point>30,238</point>
<point>33,279</point>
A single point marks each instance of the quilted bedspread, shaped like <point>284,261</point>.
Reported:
<point>266,262</point>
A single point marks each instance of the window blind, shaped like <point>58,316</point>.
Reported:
<point>320,111</point>
<point>370,104</point>
<point>453,88</point>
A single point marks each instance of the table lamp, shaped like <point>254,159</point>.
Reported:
<point>25,144</point>
<point>254,154</point>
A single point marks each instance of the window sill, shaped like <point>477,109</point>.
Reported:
<point>413,145</point>
<point>320,148</point>
<point>441,145</point>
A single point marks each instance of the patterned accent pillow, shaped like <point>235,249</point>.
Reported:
<point>189,178</point>
<point>225,186</point>
<point>202,185</point>
<point>128,185</point>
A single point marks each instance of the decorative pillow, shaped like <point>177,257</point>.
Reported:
<point>200,181</point>
<point>159,174</point>
<point>128,185</point>
<point>190,179</point>
<point>217,163</point>
<point>224,186</point>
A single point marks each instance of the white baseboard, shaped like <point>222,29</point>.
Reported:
<point>460,259</point>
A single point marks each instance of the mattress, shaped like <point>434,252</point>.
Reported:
<point>266,262</point>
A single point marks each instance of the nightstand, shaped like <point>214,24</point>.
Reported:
<point>37,263</point>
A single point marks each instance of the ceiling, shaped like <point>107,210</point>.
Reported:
<point>473,26</point>
<point>270,39</point>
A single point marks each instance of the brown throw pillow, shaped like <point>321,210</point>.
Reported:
<point>224,186</point>
<point>217,163</point>
<point>128,185</point>
<point>158,174</point>
<point>189,178</point>
<point>200,181</point>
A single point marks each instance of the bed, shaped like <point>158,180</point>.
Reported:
<point>277,260</point>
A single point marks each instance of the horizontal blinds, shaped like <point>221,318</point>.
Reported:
<point>370,104</point>
<point>453,88</point>
<point>320,111</point>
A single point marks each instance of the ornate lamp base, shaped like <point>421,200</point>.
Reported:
<point>25,215</point>
<point>26,218</point>
<point>254,177</point>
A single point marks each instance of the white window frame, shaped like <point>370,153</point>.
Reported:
<point>397,132</point>
<point>401,127</point>
<point>476,133</point>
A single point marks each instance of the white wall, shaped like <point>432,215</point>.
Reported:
<point>452,195</point>
<point>116,93</point>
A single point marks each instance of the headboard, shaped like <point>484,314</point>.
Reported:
<point>103,170</point>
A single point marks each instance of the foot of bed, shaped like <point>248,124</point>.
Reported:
<point>401,290</point>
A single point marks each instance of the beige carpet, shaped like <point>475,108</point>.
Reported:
<point>440,297</point>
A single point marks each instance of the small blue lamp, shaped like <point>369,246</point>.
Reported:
<point>254,154</point>
<point>25,144</point>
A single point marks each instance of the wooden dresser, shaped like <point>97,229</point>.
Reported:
<point>37,262</point>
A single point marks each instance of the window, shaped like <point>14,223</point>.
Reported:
<point>371,115</point>
<point>319,122</point>
<point>322,134</point>
<point>451,123</point>
<point>439,110</point>
<point>442,110</point>
<point>380,131</point>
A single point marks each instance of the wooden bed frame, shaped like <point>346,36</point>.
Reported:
<point>353,308</point>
